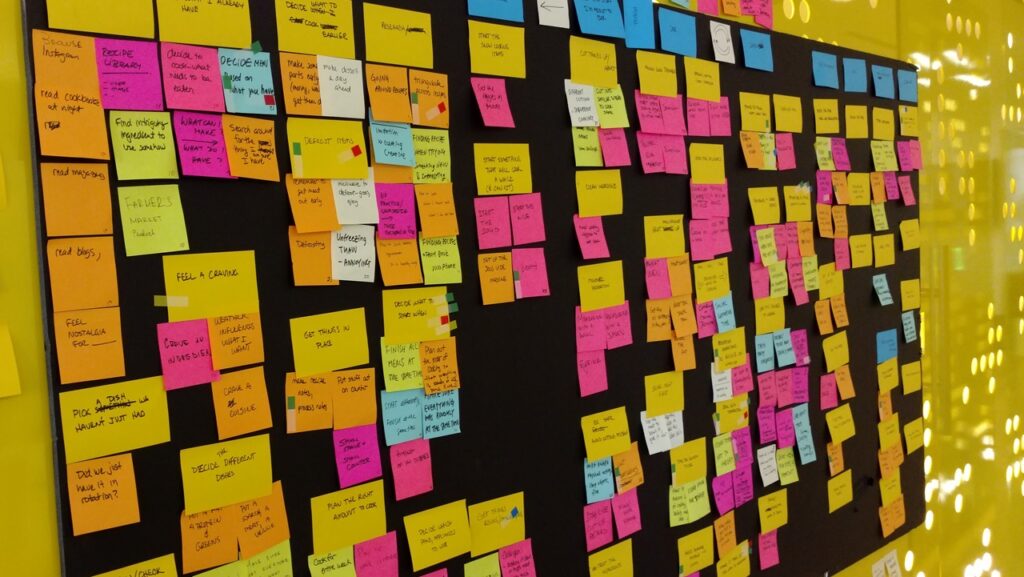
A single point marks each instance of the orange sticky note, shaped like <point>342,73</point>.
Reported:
<point>354,398</point>
<point>659,320</point>
<point>436,205</point>
<point>840,224</point>
<point>262,523</point>
<point>388,88</point>
<point>428,94</point>
<point>101,494</point>
<point>301,80</point>
<point>89,345</point>
<point>628,470</point>
<point>311,258</point>
<point>312,202</point>
<point>844,382</point>
<point>680,276</point>
<point>439,365</point>
<point>82,272</point>
<point>236,340</point>
<point>839,311</point>
<point>725,532</point>
<point>240,403</point>
<point>684,357</point>
<point>391,173</point>
<point>76,198</point>
<point>496,278</point>
<point>209,538</point>
<point>823,313</point>
<point>399,261</point>
<point>251,147</point>
<point>892,516</point>
<point>309,403</point>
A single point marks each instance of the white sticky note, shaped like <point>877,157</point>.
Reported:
<point>553,13</point>
<point>767,464</point>
<point>341,87</point>
<point>721,39</point>
<point>582,105</point>
<point>355,201</point>
<point>353,253</point>
<point>664,432</point>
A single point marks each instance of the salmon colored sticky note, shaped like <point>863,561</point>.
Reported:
<point>251,147</point>
<point>428,94</point>
<point>329,341</point>
<point>242,473</point>
<point>89,345</point>
<point>300,78</point>
<point>191,76</point>
<point>82,409</point>
<point>76,198</point>
<point>240,403</point>
<point>388,88</point>
<point>497,49</point>
<point>159,566</point>
<point>309,403</point>
<point>209,24</point>
<point>74,260</point>
<point>497,523</point>
<point>399,261</point>
<point>209,538</point>
<point>311,258</point>
<point>312,203</point>
<point>236,340</point>
<point>354,397</point>
<point>185,354</point>
<point>438,534</point>
<point>397,36</point>
<point>436,205</point>
<point>439,365</point>
<point>496,278</point>
<point>263,522</point>
<point>411,468</point>
<point>101,494</point>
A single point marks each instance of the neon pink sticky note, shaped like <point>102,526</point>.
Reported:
<point>627,513</point>
<point>840,156</point>
<point>652,153</point>
<point>762,11</point>
<point>708,7</point>
<point>800,378</point>
<point>742,446</point>
<point>493,224</point>
<point>781,240</point>
<point>800,348</point>
<point>597,522</point>
<point>697,119</point>
<point>905,155</point>
<point>590,332</point>
<point>721,487</point>
<point>201,148</point>
<point>530,272</point>
<point>614,147</point>
<point>592,372</point>
<point>784,387</point>
<point>892,191</point>
<point>784,428</point>
<point>492,99</point>
<point>648,109</point>
<point>516,560</point>
<point>590,235</point>
<point>915,154</point>
<point>709,238</point>
<point>396,205</point>
<point>377,557</point>
<point>768,549</point>
<point>743,483</point>
<point>191,77</point>
<point>829,393</point>
<point>411,468</point>
<point>795,270</point>
<point>824,180</point>
<point>785,154</point>
<point>672,114</point>
<point>129,74</point>
<point>439,573</point>
<point>760,281</point>
<point>185,354</point>
<point>659,284</point>
<point>674,150</point>
<point>707,325</point>
<point>842,251</point>
<point>719,120</point>
<point>527,218</point>
<point>709,200</point>
<point>767,392</point>
<point>742,378</point>
<point>766,424</point>
<point>617,327</point>
<point>357,455</point>
<point>907,191</point>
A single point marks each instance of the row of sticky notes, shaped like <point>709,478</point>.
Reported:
<point>825,68</point>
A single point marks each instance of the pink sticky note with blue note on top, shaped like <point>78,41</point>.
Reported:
<point>129,74</point>
<point>357,455</point>
<point>396,207</point>
<point>191,77</point>
<point>493,225</point>
<point>185,356</point>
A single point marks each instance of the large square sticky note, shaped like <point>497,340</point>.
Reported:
<point>349,516</point>
<point>502,168</point>
<point>497,49</point>
<point>438,534</point>
<point>396,36</point>
<point>600,285</point>
<point>152,220</point>
<point>327,148</point>
<point>329,341</point>
<point>205,23</point>
<point>204,285</point>
<point>143,144</point>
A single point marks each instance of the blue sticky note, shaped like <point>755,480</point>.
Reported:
<point>882,77</point>
<point>784,348</point>
<point>402,413</point>
<point>392,143</point>
<point>855,75</point>
<point>804,437</point>
<point>881,284</point>
<point>639,17</point>
<point>885,345</point>
<point>441,414</point>
<point>511,10</point>
<point>599,479</point>
<point>600,18</point>
<point>248,82</point>
<point>678,32</point>
<point>764,352</point>
<point>757,50</point>
<point>725,316</point>
<point>909,327</point>
<point>907,81</point>
<point>826,69</point>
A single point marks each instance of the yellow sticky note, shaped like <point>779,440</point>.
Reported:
<point>773,510</point>
<point>206,23</point>
<point>396,36</point>
<point>707,163</point>
<point>605,433</point>
<point>502,168</point>
<point>600,285</point>
<point>764,203</point>
<point>497,49</point>
<point>592,62</point>
<point>725,457</point>
<point>337,563</point>
<point>856,121</point>
<point>414,314</point>
<point>755,112</point>
<point>599,192</point>
<point>890,487</point>
<point>861,254</point>
<point>159,566</point>
<point>118,17</point>
<point>211,284</point>
<point>321,148</point>
<point>786,461</point>
<point>789,113</point>
<point>488,566</point>
<point>913,432</point>
<point>497,523</point>
<point>303,28</point>
<point>438,534</point>
<point>689,461</point>
<point>889,431</point>
<point>840,423</point>
<point>711,279</point>
<point>910,234</point>
<point>730,349</point>
<point>702,81</point>
<point>837,351</point>
<point>696,551</point>
<point>910,294</point>
<point>733,414</point>
<point>885,250</point>
<point>441,261</point>
<point>664,393</point>
<point>908,121</point>
<point>826,116</point>
<point>349,516</point>
<point>228,472</point>
<point>770,314</point>
<point>830,281</point>
<point>840,490</point>
<point>859,188</point>
<point>888,375</point>
<point>329,341</point>
<point>883,153</point>
<point>911,373</point>
<point>798,203</point>
<point>10,382</point>
<point>614,561</point>
<point>657,73</point>
<point>883,124</point>
<point>115,418</point>
<point>143,144</point>
<point>735,563</point>
<point>664,236</point>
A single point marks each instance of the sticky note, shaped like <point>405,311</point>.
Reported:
<point>511,10</point>
<point>388,90</point>
<point>600,285</point>
<point>72,259</point>
<point>755,112</point>
<point>663,236</point>
<point>102,494</point>
<point>157,566</point>
<point>502,168</point>
<point>152,220</point>
<point>429,96</point>
<point>721,41</point>
<point>240,403</point>
<point>224,473</point>
<point>329,341</point>
<point>411,468</point>
<point>592,62</point>
<point>883,123</point>
<point>201,147</point>
<point>120,17</point>
<point>488,566</point>
<point>840,423</point>
<point>605,433</point>
<point>492,100</point>
<point>356,455</point>
<point>326,148</point>
<point>349,516</point>
<point>664,393</point>
<point>696,551</point>
<point>441,261</point>
<point>143,145</point>
<point>66,75</point>
<point>614,561</point>
<point>438,534</point>
<point>638,18</point>
<point>496,523</point>
<point>837,352</point>
<point>826,69</point>
<point>882,79</point>
<point>702,81</point>
<point>191,77</point>
<point>600,18</point>
<point>94,426</point>
<point>225,24</point>
<point>250,144</point>
<point>76,198</point>
<point>826,116</point>
<point>331,34</point>
<point>907,83</point>
<point>185,355</point>
<point>886,345</point>
<point>611,107</point>
<point>773,510</point>
<point>439,365</point>
<point>789,116</point>
<point>855,76</point>
<point>678,32</point>
<point>89,347</point>
<point>757,51</point>
<point>840,490</point>
<point>497,49</point>
<point>139,90</point>
<point>527,218</point>
<point>247,80</point>
<point>599,192</point>
<point>396,36</point>
<point>409,314</point>
<point>213,284</point>
<point>708,163</point>
<point>391,143</point>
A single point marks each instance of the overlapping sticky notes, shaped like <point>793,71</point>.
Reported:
<point>119,17</point>
<point>201,146</point>
<point>441,261</point>
<point>429,96</point>
<point>599,192</point>
<point>329,341</point>
<point>159,566</point>
<point>240,403</point>
<point>211,24</point>
<point>185,354</point>
<point>191,77</point>
<point>497,49</point>
<point>657,73</point>
<point>614,561</point>
<point>600,285</point>
<point>89,345</point>
<point>76,198</point>
<point>592,62</point>
<point>707,163</point>
<point>702,79</point>
<point>152,220</point>
<point>502,168</point>
<point>326,148</point>
<point>204,285</point>
<point>101,494</point>
<point>62,76</point>
<point>605,433</point>
<point>72,259</point>
<point>349,516</point>
<point>438,534</point>
<point>143,144</point>
<point>664,393</point>
<point>663,236</point>
<point>248,83</point>
<point>302,27</point>
<point>497,523</point>
<point>139,90</point>
<point>397,36</point>
<point>251,147</point>
<point>224,473</point>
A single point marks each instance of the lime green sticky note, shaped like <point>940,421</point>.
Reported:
<point>586,146</point>
<point>143,144</point>
<point>401,362</point>
<point>488,566</point>
<point>440,258</point>
<point>611,107</point>
<point>152,221</point>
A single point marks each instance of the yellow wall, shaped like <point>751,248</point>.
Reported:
<point>973,280</point>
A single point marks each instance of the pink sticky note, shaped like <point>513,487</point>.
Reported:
<point>697,117</point>
<point>767,392</point>
<point>829,393</point>
<point>672,114</point>
<point>493,224</point>
<point>754,242</point>
<point>377,557</point>
<point>915,154</point>
<point>411,468</point>
<point>531,273</point>
<point>766,424</point>
<point>721,487</point>
<point>800,378</point>
<point>185,354</point>
<point>617,327</point>
<point>674,150</point>
<point>785,154</point>
<point>627,513</point>
<point>191,77</point>
<point>201,148</point>
<point>907,191</point>
<point>842,251</point>
<point>892,191</point>
<point>761,10</point>
<point>784,387</point>
<point>648,109</point>
<point>129,74</point>
<point>614,147</point>
<point>800,348</point>
<point>527,218</point>
<point>824,180</point>
<point>768,549</point>
<point>590,332</point>
<point>516,560</point>
<point>707,324</point>
<point>781,240</point>
<point>590,235</point>
<point>742,378</point>
<point>784,428</point>
<point>709,238</point>
<point>742,446</point>
<point>659,284</point>
<point>795,270</point>
<point>743,483</point>
<point>709,200</point>
<point>905,155</point>
<point>439,573</point>
<point>840,156</point>
<point>708,7</point>
<point>760,281</point>
<point>652,153</point>
<point>592,372</point>
<point>597,522</point>
<point>396,205</point>
<point>492,99</point>
<point>793,239</point>
<point>719,119</point>
<point>357,455</point>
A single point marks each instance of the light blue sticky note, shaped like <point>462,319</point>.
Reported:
<point>784,353</point>
<point>247,81</point>
<point>639,17</point>
<point>855,75</point>
<point>881,284</point>
<point>907,81</point>
<point>441,414</point>
<point>725,316</point>
<point>826,69</point>
<point>599,479</point>
<point>909,327</point>
<point>764,352</point>
<point>392,143</point>
<point>757,50</point>
<point>804,437</point>
<point>511,10</point>
<point>882,77</point>
<point>885,345</point>
<point>600,18</point>
<point>402,413</point>
<point>678,32</point>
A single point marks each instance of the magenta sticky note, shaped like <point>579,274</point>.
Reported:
<point>357,455</point>
<point>709,200</point>
<point>709,238</point>
<point>201,148</point>
<point>659,284</point>
<point>707,325</point>
<point>185,354</point>
<point>767,392</point>
<point>618,331</point>
<point>754,241</point>
<point>824,180</point>
<point>743,483</point>
<point>493,224</point>
<point>592,372</point>
<point>590,331</point>
<point>614,147</point>
<point>742,446</point>
<point>795,270</point>
<point>907,191</point>
<point>766,424</point>
<point>590,235</point>
<point>377,557</point>
<point>721,488</point>
<point>829,393</point>
<point>708,7</point>
<point>784,428</point>
<point>840,156</point>
<point>784,387</point>
<point>191,77</point>
<point>492,99</point>
<point>411,468</point>
<point>673,115</point>
<point>652,153</point>
<point>768,549</point>
<point>597,523</point>
<point>527,217</point>
<point>648,110</point>
<point>785,154</point>
<point>800,348</point>
<point>764,13</point>
<point>842,252</point>
<point>698,121</point>
<point>892,191</point>
<point>799,377</point>
<point>719,119</point>
<point>627,513</point>
<point>396,205</point>
<point>905,155</point>
<point>792,236</point>
<point>760,281</point>
<point>530,273</point>
<point>673,148</point>
<point>915,154</point>
<point>742,378</point>
<point>129,74</point>
<point>516,560</point>
<point>439,573</point>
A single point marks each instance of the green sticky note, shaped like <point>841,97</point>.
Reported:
<point>441,261</point>
<point>488,566</point>
<point>143,144</point>
<point>453,308</point>
<point>152,221</point>
<point>401,364</point>
<point>586,146</point>
<point>291,403</point>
